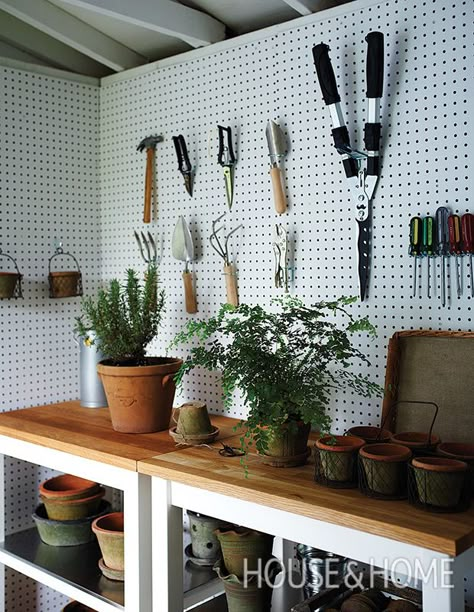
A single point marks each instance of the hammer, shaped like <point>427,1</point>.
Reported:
<point>149,143</point>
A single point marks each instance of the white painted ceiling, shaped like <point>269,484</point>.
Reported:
<point>100,37</point>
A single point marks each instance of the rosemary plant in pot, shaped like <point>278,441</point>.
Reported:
<point>285,361</point>
<point>125,318</point>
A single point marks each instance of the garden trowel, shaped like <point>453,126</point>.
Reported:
<point>276,150</point>
<point>183,250</point>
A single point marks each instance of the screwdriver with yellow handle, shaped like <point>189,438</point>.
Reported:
<point>467,229</point>
<point>415,248</point>
<point>427,247</point>
<point>455,248</point>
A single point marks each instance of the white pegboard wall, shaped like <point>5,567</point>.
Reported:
<point>427,162</point>
<point>49,189</point>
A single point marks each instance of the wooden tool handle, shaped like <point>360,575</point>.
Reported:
<point>231,285</point>
<point>150,155</point>
<point>189,295</point>
<point>278,193</point>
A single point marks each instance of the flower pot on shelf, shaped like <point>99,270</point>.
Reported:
<point>239,544</point>
<point>67,487</point>
<point>336,460</point>
<point>439,481</point>
<point>75,606</point>
<point>417,442</point>
<point>204,541</point>
<point>371,434</point>
<point>288,447</point>
<point>194,426</point>
<point>384,470</point>
<point>461,452</point>
<point>140,398</point>
<point>109,530</point>
<point>72,509</point>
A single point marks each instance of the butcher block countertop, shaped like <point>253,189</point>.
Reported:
<point>294,490</point>
<point>87,432</point>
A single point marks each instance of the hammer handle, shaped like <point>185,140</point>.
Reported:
<point>150,155</point>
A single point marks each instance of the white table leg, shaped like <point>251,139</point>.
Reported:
<point>2,529</point>
<point>167,539</point>
<point>443,587</point>
<point>138,576</point>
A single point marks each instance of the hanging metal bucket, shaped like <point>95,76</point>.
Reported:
<point>10,282</point>
<point>91,390</point>
<point>64,283</point>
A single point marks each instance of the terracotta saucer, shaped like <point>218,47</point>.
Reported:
<point>194,440</point>
<point>110,573</point>
<point>188,551</point>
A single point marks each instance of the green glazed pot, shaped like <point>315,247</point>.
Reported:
<point>337,461</point>
<point>439,480</point>
<point>239,544</point>
<point>110,535</point>
<point>384,468</point>
<point>204,541</point>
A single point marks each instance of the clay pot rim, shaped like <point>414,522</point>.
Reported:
<point>83,487</point>
<point>60,273</point>
<point>439,464</point>
<point>193,438</point>
<point>386,452</point>
<point>40,510</point>
<point>9,274</point>
<point>240,532</point>
<point>454,453</point>
<point>96,528</point>
<point>344,444</point>
<point>383,435</point>
<point>166,365</point>
<point>72,502</point>
<point>415,439</point>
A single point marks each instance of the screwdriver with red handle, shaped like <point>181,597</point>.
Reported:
<point>467,228</point>
<point>455,248</point>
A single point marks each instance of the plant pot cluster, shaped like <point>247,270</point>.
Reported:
<point>109,530</point>
<point>245,549</point>
<point>70,505</point>
<point>205,548</point>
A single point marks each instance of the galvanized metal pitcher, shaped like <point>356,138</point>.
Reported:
<point>91,391</point>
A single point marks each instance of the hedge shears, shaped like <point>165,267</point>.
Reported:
<point>362,169</point>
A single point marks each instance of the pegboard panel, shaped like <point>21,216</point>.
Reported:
<point>49,189</point>
<point>427,162</point>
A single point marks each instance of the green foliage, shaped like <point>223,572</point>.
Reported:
<point>125,317</point>
<point>285,363</point>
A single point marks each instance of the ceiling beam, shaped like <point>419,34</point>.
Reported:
<point>44,49</point>
<point>163,16</point>
<point>73,32</point>
<point>303,7</point>
<point>7,50</point>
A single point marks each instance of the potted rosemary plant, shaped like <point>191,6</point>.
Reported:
<point>125,318</point>
<point>285,363</point>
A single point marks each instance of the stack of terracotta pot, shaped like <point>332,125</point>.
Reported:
<point>247,569</point>
<point>109,530</point>
<point>69,506</point>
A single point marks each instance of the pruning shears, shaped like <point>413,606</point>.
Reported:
<point>226,159</point>
<point>184,165</point>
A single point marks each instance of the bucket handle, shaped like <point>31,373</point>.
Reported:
<point>417,402</point>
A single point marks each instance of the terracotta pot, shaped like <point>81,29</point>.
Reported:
<point>337,461</point>
<point>67,487</point>
<point>250,596</point>
<point>462,452</point>
<point>8,282</point>
<point>140,398</point>
<point>72,509</point>
<point>75,606</point>
<point>439,480</point>
<point>64,283</point>
<point>66,533</point>
<point>109,530</point>
<point>384,467</point>
<point>241,543</point>
<point>372,435</point>
<point>288,447</point>
<point>204,541</point>
<point>415,440</point>
<point>401,605</point>
<point>193,419</point>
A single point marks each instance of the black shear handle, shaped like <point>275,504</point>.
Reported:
<point>182,154</point>
<point>374,64</point>
<point>226,155</point>
<point>326,78</point>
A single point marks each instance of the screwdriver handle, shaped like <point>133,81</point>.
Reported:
<point>467,229</point>
<point>428,236</point>
<point>442,232</point>
<point>415,236</point>
<point>454,226</point>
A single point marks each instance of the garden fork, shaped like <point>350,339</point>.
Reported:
<point>147,248</point>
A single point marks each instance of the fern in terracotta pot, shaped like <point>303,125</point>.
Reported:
<point>285,361</point>
<point>125,318</point>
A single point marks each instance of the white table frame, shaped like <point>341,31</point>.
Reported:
<point>169,498</point>
<point>137,503</point>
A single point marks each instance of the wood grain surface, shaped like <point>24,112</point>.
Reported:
<point>294,490</point>
<point>87,432</point>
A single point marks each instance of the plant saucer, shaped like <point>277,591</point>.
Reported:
<point>112,574</point>
<point>188,551</point>
<point>194,439</point>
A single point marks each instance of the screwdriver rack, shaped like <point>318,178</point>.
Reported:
<point>445,240</point>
